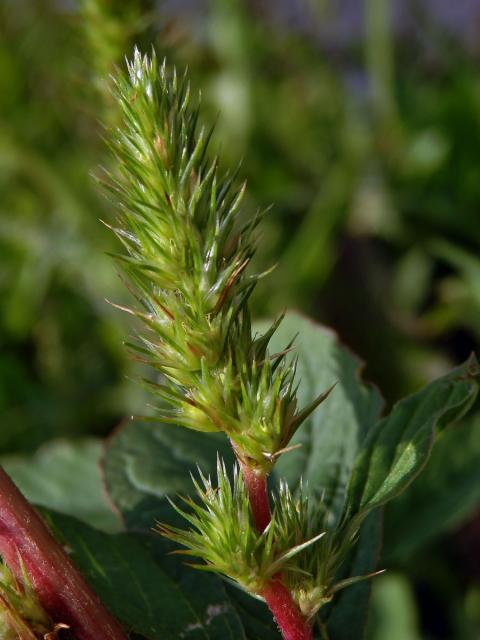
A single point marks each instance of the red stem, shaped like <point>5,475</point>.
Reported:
<point>291,622</point>
<point>279,599</point>
<point>256,484</point>
<point>61,589</point>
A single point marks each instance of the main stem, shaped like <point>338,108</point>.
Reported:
<point>256,484</point>
<point>292,624</point>
<point>289,619</point>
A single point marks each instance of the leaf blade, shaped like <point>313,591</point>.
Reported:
<point>398,446</point>
<point>151,593</point>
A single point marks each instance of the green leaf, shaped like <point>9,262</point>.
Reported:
<point>398,446</point>
<point>143,587</point>
<point>65,476</point>
<point>147,461</point>
<point>446,493</point>
<point>331,436</point>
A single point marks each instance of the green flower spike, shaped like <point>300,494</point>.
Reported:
<point>187,249</point>
<point>223,533</point>
<point>186,255</point>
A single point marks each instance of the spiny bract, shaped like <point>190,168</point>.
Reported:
<point>223,533</point>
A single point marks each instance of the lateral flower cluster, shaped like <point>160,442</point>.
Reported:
<point>187,252</point>
<point>224,534</point>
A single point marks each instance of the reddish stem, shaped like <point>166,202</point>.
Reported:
<point>61,589</point>
<point>256,484</point>
<point>279,599</point>
<point>291,622</point>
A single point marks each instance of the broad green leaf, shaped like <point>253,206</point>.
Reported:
<point>446,493</point>
<point>65,475</point>
<point>142,590</point>
<point>398,446</point>
<point>330,438</point>
<point>147,461</point>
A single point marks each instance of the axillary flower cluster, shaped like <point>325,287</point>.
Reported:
<point>187,251</point>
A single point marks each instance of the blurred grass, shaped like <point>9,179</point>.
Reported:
<point>359,121</point>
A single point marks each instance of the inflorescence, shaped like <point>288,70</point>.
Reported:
<point>187,251</point>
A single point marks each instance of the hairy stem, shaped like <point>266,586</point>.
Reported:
<point>291,622</point>
<point>278,598</point>
<point>62,591</point>
<point>256,484</point>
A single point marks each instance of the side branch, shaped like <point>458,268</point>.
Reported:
<point>59,586</point>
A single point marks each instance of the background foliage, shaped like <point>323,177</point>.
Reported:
<point>360,121</point>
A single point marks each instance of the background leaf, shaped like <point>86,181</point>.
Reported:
<point>255,616</point>
<point>65,475</point>
<point>147,461</point>
<point>398,446</point>
<point>446,493</point>
<point>331,436</point>
<point>141,589</point>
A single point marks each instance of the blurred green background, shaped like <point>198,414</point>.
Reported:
<point>360,121</point>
